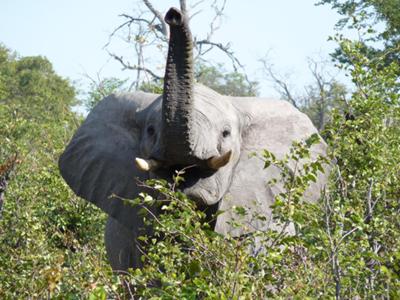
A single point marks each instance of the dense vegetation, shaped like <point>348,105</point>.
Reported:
<point>50,241</point>
<point>346,246</point>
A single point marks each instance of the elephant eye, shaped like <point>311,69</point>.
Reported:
<point>150,130</point>
<point>226,133</point>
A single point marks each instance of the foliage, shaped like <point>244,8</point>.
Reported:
<point>155,87</point>
<point>366,14</point>
<point>345,246</point>
<point>319,102</point>
<point>50,241</point>
<point>366,146</point>
<point>185,259</point>
<point>367,18</point>
<point>225,83</point>
<point>350,241</point>
<point>102,88</point>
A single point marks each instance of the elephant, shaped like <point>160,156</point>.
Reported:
<point>131,137</point>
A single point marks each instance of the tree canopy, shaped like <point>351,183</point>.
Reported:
<point>42,224</point>
<point>226,83</point>
<point>367,18</point>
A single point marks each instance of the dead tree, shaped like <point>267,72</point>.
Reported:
<point>148,32</point>
<point>319,97</point>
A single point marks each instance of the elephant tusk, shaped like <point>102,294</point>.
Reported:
<point>146,164</point>
<point>217,162</point>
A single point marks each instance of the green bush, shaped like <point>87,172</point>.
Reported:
<point>345,246</point>
<point>50,241</point>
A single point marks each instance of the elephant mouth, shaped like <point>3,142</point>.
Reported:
<point>197,178</point>
<point>213,163</point>
<point>190,174</point>
<point>193,183</point>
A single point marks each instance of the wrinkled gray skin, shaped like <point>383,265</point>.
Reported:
<point>188,125</point>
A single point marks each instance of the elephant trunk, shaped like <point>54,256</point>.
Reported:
<point>178,89</point>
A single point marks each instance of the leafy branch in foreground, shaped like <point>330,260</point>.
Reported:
<point>345,245</point>
<point>363,202</point>
<point>184,258</point>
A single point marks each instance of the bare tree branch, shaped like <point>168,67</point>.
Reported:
<point>224,48</point>
<point>183,7</point>
<point>322,95</point>
<point>323,87</point>
<point>138,21</point>
<point>148,31</point>
<point>127,66</point>
<point>158,15</point>
<point>193,7</point>
<point>196,4</point>
<point>219,12</point>
<point>97,82</point>
<point>281,84</point>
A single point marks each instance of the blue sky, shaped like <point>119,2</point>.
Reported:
<point>71,34</point>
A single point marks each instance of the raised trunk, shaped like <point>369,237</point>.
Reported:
<point>178,89</point>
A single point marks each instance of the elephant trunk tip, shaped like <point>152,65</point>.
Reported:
<point>174,17</point>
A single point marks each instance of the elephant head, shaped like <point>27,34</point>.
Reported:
<point>140,135</point>
<point>183,128</point>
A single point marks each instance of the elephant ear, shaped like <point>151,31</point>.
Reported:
<point>99,160</point>
<point>272,125</point>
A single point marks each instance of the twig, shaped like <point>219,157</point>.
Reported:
<point>158,15</point>
<point>281,85</point>
<point>224,48</point>
<point>137,68</point>
<point>183,7</point>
